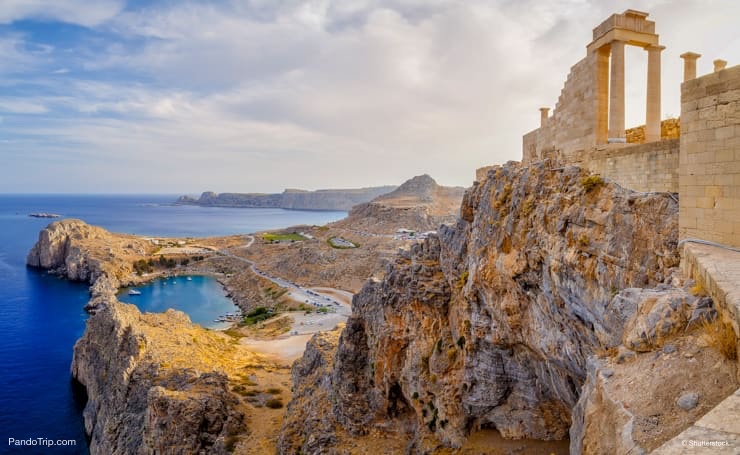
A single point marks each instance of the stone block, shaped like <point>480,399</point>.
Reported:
<point>725,132</point>
<point>713,191</point>
<point>706,102</point>
<point>728,96</point>
<point>708,113</point>
<point>725,155</point>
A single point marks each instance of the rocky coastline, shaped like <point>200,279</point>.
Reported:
<point>553,309</point>
<point>340,199</point>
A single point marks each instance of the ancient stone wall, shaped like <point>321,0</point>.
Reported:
<point>640,167</point>
<point>709,171</point>
<point>571,127</point>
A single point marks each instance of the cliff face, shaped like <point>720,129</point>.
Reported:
<point>490,324</point>
<point>80,252</point>
<point>341,199</point>
<point>143,399</point>
<point>156,383</point>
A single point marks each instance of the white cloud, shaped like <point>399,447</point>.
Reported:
<point>81,12</point>
<point>258,95</point>
<point>19,106</point>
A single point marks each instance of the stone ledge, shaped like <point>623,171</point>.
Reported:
<point>718,271</point>
<point>720,424</point>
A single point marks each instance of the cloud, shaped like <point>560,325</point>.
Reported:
<point>81,12</point>
<point>19,106</point>
<point>258,95</point>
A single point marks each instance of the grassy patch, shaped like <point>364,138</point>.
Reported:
<point>698,290</point>
<point>721,336</point>
<point>257,315</point>
<point>463,280</point>
<point>341,243</point>
<point>275,237</point>
<point>591,182</point>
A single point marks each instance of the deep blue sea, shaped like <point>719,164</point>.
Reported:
<point>41,316</point>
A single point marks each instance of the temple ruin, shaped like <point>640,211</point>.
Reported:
<point>696,156</point>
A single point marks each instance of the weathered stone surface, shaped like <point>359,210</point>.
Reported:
<point>490,323</point>
<point>309,426</point>
<point>136,404</point>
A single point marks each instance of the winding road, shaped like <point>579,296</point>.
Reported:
<point>336,299</point>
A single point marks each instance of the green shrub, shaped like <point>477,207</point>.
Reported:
<point>463,280</point>
<point>461,342</point>
<point>591,183</point>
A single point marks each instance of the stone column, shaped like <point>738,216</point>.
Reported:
<point>543,115</point>
<point>652,111</point>
<point>616,96</point>
<point>719,65</point>
<point>689,65</point>
<point>602,94</point>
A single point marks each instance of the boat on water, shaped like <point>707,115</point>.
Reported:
<point>189,278</point>
<point>134,292</point>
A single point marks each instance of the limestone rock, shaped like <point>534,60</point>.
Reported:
<point>308,427</point>
<point>490,323</point>
<point>137,402</point>
<point>688,401</point>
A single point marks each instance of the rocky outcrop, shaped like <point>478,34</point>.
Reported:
<point>419,204</point>
<point>156,383</point>
<point>340,199</point>
<point>144,396</point>
<point>490,324</point>
<point>80,252</point>
<point>310,427</point>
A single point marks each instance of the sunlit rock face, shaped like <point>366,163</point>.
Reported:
<point>490,323</point>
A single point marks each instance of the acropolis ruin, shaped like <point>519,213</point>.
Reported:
<point>696,156</point>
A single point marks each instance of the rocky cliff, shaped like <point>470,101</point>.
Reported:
<point>80,252</point>
<point>156,383</point>
<point>340,199</point>
<point>491,323</point>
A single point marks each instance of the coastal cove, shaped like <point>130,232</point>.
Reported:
<point>42,316</point>
<point>202,298</point>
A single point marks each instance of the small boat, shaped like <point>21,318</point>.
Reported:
<point>189,278</point>
<point>134,292</point>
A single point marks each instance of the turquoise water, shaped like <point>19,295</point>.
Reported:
<point>42,316</point>
<point>202,298</point>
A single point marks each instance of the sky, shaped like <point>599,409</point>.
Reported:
<point>181,96</point>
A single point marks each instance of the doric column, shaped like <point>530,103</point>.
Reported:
<point>652,111</point>
<point>689,65</point>
<point>719,65</point>
<point>543,115</point>
<point>602,95</point>
<point>616,97</point>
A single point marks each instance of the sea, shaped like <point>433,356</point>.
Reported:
<point>41,316</point>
